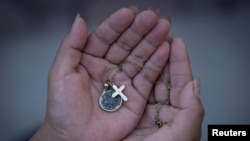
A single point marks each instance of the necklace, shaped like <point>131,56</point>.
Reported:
<point>112,97</point>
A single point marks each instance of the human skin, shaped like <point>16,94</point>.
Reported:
<point>84,62</point>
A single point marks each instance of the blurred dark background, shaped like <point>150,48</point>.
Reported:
<point>217,34</point>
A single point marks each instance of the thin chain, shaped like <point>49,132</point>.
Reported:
<point>159,105</point>
<point>137,65</point>
<point>111,69</point>
<point>166,81</point>
<point>158,122</point>
<point>150,79</point>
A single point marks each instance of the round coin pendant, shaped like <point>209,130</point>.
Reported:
<point>109,103</point>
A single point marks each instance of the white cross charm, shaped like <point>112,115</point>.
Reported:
<point>118,91</point>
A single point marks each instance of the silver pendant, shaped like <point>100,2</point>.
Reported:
<point>111,99</point>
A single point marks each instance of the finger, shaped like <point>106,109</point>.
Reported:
<point>146,48</point>
<point>69,53</point>
<point>144,80</point>
<point>142,24</point>
<point>180,69</point>
<point>161,89</point>
<point>99,69</point>
<point>191,113</point>
<point>166,114</point>
<point>163,85</point>
<point>187,121</point>
<point>151,98</point>
<point>100,40</point>
<point>170,37</point>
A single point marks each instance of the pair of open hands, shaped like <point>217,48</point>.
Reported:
<point>84,62</point>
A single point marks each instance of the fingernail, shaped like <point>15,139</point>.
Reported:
<point>133,8</point>
<point>154,9</point>
<point>75,21</point>
<point>169,37</point>
<point>168,18</point>
<point>196,82</point>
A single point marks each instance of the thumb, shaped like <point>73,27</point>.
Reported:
<point>190,96</point>
<point>69,53</point>
<point>190,117</point>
